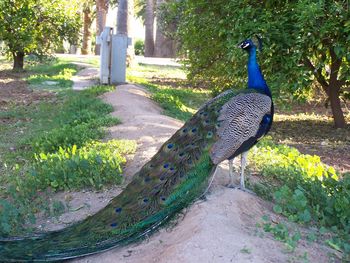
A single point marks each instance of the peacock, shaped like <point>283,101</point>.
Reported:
<point>223,128</point>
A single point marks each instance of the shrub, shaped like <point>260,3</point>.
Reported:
<point>139,47</point>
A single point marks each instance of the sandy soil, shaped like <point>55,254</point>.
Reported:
<point>85,77</point>
<point>220,229</point>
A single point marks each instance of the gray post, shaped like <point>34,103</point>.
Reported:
<point>105,54</point>
<point>118,65</point>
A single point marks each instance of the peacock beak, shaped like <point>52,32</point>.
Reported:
<point>243,45</point>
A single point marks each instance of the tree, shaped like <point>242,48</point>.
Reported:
<point>124,24</point>
<point>149,28</point>
<point>88,16</point>
<point>306,44</point>
<point>164,46</point>
<point>145,10</point>
<point>37,26</point>
<point>101,14</point>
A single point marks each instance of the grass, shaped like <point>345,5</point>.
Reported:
<point>169,88</point>
<point>92,61</point>
<point>54,78</point>
<point>54,144</point>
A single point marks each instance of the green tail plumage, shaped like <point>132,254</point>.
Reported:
<point>170,181</point>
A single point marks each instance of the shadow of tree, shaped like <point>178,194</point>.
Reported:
<point>315,134</point>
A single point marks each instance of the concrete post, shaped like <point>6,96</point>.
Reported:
<point>120,44</point>
<point>105,54</point>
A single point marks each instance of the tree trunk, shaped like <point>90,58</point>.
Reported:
<point>18,60</point>
<point>130,58</point>
<point>149,28</point>
<point>86,49</point>
<point>164,46</point>
<point>101,15</point>
<point>331,87</point>
<point>122,17</point>
<point>124,25</point>
<point>338,116</point>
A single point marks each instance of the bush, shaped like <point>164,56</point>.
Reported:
<point>139,47</point>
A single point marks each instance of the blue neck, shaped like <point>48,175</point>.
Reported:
<point>255,78</point>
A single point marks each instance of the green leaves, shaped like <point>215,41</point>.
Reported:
<point>292,204</point>
<point>38,26</point>
<point>291,30</point>
<point>304,189</point>
<point>93,166</point>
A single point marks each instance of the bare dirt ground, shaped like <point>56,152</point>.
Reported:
<point>220,229</point>
<point>14,91</point>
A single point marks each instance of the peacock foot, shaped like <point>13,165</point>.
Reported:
<point>232,186</point>
<point>246,190</point>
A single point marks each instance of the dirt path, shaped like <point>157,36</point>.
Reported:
<point>86,77</point>
<point>220,229</point>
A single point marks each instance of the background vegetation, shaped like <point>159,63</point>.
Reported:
<point>32,26</point>
<point>307,41</point>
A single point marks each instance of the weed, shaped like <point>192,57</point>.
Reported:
<point>93,165</point>
<point>305,190</point>
<point>54,77</point>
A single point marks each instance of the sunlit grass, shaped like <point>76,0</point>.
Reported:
<point>5,64</point>
<point>169,88</point>
<point>93,61</point>
<point>52,77</point>
<point>153,71</point>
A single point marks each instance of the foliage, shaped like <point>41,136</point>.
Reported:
<point>139,47</point>
<point>140,9</point>
<point>282,233</point>
<point>299,40</point>
<point>168,15</point>
<point>28,26</point>
<point>303,188</point>
<point>94,165</point>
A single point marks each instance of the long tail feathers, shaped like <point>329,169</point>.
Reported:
<point>73,242</point>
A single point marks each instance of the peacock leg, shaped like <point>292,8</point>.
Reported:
<point>243,165</point>
<point>231,174</point>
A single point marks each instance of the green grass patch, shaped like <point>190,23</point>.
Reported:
<point>51,145</point>
<point>180,102</point>
<point>71,118</point>
<point>92,61</point>
<point>93,165</point>
<point>52,77</point>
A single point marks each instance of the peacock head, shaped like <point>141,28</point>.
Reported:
<point>251,43</point>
